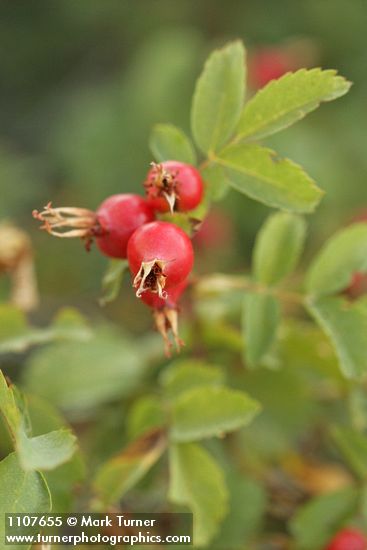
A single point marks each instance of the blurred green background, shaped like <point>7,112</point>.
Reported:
<point>83,82</point>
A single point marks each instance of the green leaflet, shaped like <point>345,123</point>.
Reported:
<point>167,142</point>
<point>288,99</point>
<point>257,172</point>
<point>278,247</point>
<point>219,97</point>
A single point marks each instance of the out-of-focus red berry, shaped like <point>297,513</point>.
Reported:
<point>268,64</point>
<point>215,232</point>
<point>348,539</point>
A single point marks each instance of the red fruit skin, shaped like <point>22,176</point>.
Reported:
<point>215,232</point>
<point>119,216</point>
<point>190,187</point>
<point>162,241</point>
<point>348,539</point>
<point>268,64</point>
<point>152,299</point>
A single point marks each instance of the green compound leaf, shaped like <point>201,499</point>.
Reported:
<point>183,375</point>
<point>119,474</point>
<point>341,256</point>
<point>112,280</point>
<point>260,319</point>
<point>170,143</point>
<point>346,326</point>
<point>257,172</point>
<point>288,99</point>
<point>219,97</point>
<point>197,482</point>
<point>278,247</point>
<point>316,522</point>
<point>21,492</point>
<point>43,452</point>
<point>221,410</point>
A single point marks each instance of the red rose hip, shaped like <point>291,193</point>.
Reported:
<point>160,256</point>
<point>348,539</point>
<point>173,186</point>
<point>119,216</point>
<point>111,225</point>
<point>153,300</point>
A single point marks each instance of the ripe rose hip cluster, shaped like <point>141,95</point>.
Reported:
<point>159,253</point>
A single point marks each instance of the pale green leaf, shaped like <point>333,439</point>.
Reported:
<point>288,99</point>
<point>278,247</point>
<point>119,474</point>
<point>145,413</point>
<point>167,142</point>
<point>219,97</point>
<point>21,492</point>
<point>197,482</point>
<point>257,172</point>
<point>346,326</point>
<point>185,374</point>
<point>221,410</point>
<point>318,520</point>
<point>78,377</point>
<point>216,183</point>
<point>46,452</point>
<point>341,256</point>
<point>112,280</point>
<point>260,322</point>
